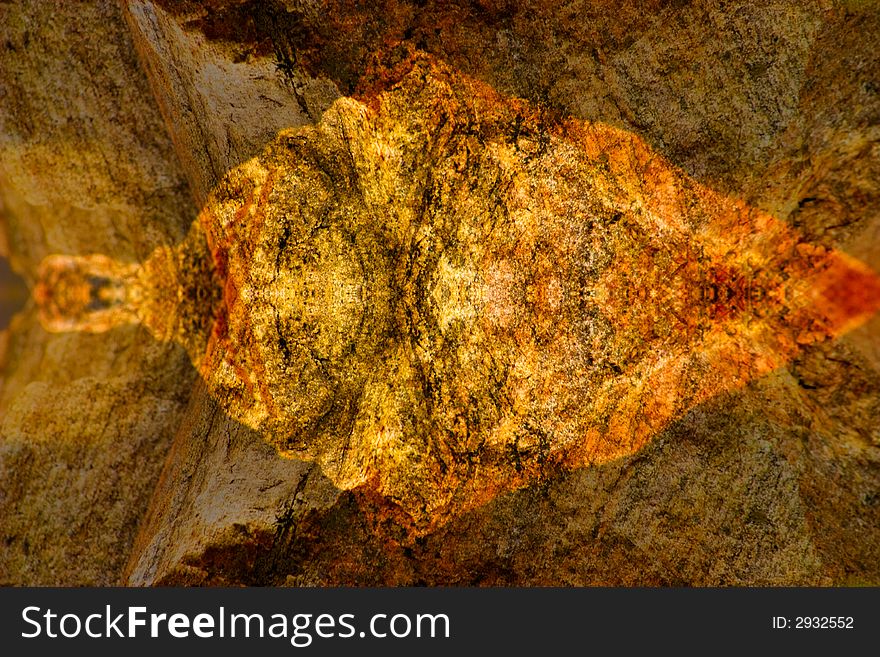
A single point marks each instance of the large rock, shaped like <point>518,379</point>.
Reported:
<point>772,104</point>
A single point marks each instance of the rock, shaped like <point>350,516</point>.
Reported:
<point>768,476</point>
<point>85,166</point>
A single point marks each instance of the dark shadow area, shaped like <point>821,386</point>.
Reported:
<point>13,293</point>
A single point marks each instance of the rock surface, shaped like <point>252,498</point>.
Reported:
<point>775,482</point>
<point>87,420</point>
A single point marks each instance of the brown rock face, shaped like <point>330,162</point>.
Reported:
<point>554,293</point>
<point>86,420</point>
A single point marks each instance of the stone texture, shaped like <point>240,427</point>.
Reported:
<point>85,166</point>
<point>86,163</point>
<point>221,103</point>
<point>771,105</point>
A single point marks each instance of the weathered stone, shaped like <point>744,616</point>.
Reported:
<point>766,107</point>
<point>85,420</point>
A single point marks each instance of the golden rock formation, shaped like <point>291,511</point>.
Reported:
<point>698,183</point>
<point>436,296</point>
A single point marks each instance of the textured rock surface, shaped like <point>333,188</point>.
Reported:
<point>777,482</point>
<point>85,165</point>
<point>221,104</point>
<point>85,161</point>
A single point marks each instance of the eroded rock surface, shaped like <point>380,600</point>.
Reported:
<point>86,166</point>
<point>768,474</point>
<point>439,297</point>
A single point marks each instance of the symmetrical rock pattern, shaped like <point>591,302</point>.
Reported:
<point>436,296</point>
<point>731,156</point>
